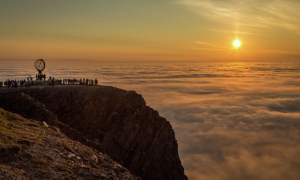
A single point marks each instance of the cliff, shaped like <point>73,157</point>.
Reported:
<point>30,149</point>
<point>112,120</point>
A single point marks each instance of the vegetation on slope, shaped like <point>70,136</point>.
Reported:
<point>32,150</point>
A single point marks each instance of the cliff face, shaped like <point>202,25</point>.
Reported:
<point>32,150</point>
<point>110,119</point>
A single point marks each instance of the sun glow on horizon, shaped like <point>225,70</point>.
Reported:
<point>236,43</point>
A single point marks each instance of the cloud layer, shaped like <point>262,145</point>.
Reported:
<point>233,121</point>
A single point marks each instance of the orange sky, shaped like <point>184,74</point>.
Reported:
<point>158,30</point>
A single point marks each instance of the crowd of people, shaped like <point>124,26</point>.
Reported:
<point>50,82</point>
<point>16,83</point>
<point>87,82</point>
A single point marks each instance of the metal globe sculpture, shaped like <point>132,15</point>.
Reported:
<point>40,65</point>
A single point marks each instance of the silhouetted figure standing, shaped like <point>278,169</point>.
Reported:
<point>53,81</point>
<point>49,82</point>
<point>28,82</point>
<point>8,84</point>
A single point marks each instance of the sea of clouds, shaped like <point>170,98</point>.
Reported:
<point>232,121</point>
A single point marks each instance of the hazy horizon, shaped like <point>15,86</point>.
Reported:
<point>150,61</point>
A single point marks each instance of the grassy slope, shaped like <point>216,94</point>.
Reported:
<point>29,150</point>
<point>8,138</point>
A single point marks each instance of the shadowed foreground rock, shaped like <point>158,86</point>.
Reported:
<point>30,149</point>
<point>112,120</point>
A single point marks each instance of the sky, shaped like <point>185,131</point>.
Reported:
<point>156,30</point>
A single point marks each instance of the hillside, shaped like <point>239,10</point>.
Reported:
<point>31,149</point>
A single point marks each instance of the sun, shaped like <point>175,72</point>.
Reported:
<point>236,43</point>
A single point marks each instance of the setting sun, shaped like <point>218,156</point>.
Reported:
<point>236,43</point>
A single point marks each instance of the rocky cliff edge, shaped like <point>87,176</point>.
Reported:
<point>111,120</point>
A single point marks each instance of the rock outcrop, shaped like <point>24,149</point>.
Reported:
<point>112,120</point>
<point>31,149</point>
